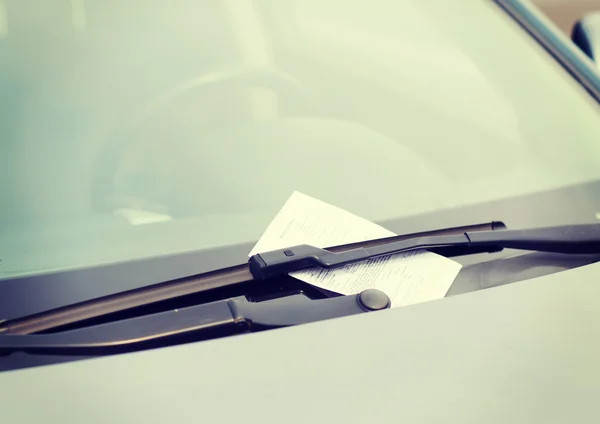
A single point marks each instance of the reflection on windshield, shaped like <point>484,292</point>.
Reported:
<point>133,129</point>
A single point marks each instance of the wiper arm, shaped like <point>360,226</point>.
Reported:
<point>195,323</point>
<point>569,239</point>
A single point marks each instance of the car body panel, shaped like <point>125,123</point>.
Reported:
<point>522,353</point>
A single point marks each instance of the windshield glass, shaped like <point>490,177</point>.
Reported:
<point>140,128</point>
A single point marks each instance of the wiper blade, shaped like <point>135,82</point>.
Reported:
<point>570,239</point>
<point>219,279</point>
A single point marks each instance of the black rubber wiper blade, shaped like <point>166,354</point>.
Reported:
<point>195,284</point>
<point>568,239</point>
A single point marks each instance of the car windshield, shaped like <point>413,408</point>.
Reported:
<point>134,129</point>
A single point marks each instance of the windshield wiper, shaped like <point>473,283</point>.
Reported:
<point>238,315</point>
<point>195,323</point>
<point>570,239</point>
<point>222,279</point>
